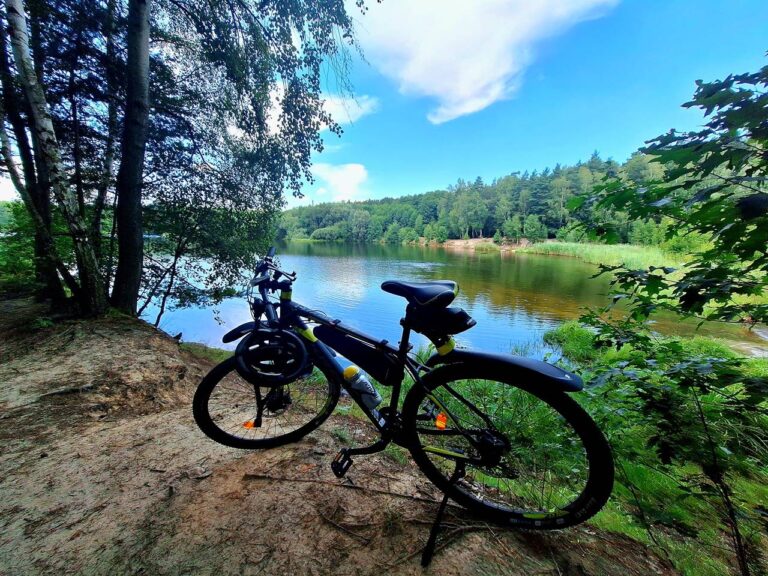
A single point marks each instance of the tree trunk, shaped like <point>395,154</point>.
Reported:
<point>92,296</point>
<point>45,262</point>
<point>129,178</point>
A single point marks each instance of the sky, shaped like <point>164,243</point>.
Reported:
<point>453,89</point>
<point>458,89</point>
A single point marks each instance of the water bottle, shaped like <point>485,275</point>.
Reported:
<point>359,382</point>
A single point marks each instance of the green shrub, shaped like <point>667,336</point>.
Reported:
<point>576,342</point>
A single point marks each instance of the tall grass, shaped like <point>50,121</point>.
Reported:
<point>630,255</point>
<point>486,248</point>
<point>206,352</point>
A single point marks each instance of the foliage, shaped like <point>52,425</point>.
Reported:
<point>688,424</point>
<point>576,342</point>
<point>513,228</point>
<point>691,409</point>
<point>200,247</point>
<point>236,111</point>
<point>5,213</point>
<point>716,189</point>
<point>41,323</point>
<point>17,249</point>
<point>472,209</point>
<point>533,229</point>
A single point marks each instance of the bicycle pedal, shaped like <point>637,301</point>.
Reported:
<point>341,463</point>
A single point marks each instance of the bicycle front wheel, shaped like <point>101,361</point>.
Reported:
<point>517,455</point>
<point>226,408</point>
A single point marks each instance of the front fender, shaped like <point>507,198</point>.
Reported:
<point>531,372</point>
<point>239,332</point>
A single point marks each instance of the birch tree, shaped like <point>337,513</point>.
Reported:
<point>90,293</point>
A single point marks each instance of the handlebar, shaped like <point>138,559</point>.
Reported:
<point>265,266</point>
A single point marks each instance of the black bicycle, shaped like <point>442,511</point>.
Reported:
<point>499,434</point>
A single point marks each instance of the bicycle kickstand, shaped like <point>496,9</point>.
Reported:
<point>429,549</point>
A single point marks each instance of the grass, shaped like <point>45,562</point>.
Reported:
<point>684,525</point>
<point>756,367</point>
<point>206,352</point>
<point>397,454</point>
<point>342,435</point>
<point>576,342</point>
<point>630,255</point>
<point>487,248</point>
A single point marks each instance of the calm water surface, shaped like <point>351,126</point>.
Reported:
<point>515,298</point>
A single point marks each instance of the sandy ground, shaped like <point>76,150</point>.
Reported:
<point>469,245</point>
<point>103,471</point>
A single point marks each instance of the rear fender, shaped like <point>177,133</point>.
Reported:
<point>529,372</point>
<point>239,332</point>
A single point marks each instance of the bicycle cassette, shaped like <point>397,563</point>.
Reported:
<point>268,357</point>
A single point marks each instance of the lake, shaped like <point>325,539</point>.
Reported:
<point>515,298</point>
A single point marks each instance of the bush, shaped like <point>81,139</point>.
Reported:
<point>17,264</point>
<point>329,233</point>
<point>576,341</point>
<point>408,235</point>
<point>533,229</point>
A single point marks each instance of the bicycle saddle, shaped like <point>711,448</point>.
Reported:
<point>435,294</point>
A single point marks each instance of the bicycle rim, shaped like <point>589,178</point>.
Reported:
<point>528,458</point>
<point>226,409</point>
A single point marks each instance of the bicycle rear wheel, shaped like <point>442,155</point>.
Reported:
<point>226,408</point>
<point>532,458</point>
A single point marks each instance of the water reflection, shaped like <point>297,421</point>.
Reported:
<point>514,298</point>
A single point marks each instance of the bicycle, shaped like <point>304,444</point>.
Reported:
<point>501,435</point>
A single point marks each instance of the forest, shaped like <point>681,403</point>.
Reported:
<point>532,205</point>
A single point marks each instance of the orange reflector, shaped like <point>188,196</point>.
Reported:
<point>249,424</point>
<point>441,421</point>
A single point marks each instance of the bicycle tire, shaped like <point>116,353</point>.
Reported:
<point>224,407</point>
<point>531,424</point>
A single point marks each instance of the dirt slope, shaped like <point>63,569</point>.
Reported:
<point>103,471</point>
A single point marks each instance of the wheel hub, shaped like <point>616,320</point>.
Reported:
<point>492,446</point>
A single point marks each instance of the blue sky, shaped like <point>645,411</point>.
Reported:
<point>489,87</point>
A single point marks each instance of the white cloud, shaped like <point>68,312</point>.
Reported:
<point>339,181</point>
<point>347,110</point>
<point>465,55</point>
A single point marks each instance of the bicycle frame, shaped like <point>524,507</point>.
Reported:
<point>293,315</point>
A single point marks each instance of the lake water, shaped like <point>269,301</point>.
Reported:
<point>515,298</point>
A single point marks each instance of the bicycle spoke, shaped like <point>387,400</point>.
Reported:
<point>544,466</point>
<point>233,408</point>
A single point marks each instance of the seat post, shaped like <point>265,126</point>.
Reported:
<point>402,354</point>
<point>403,350</point>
